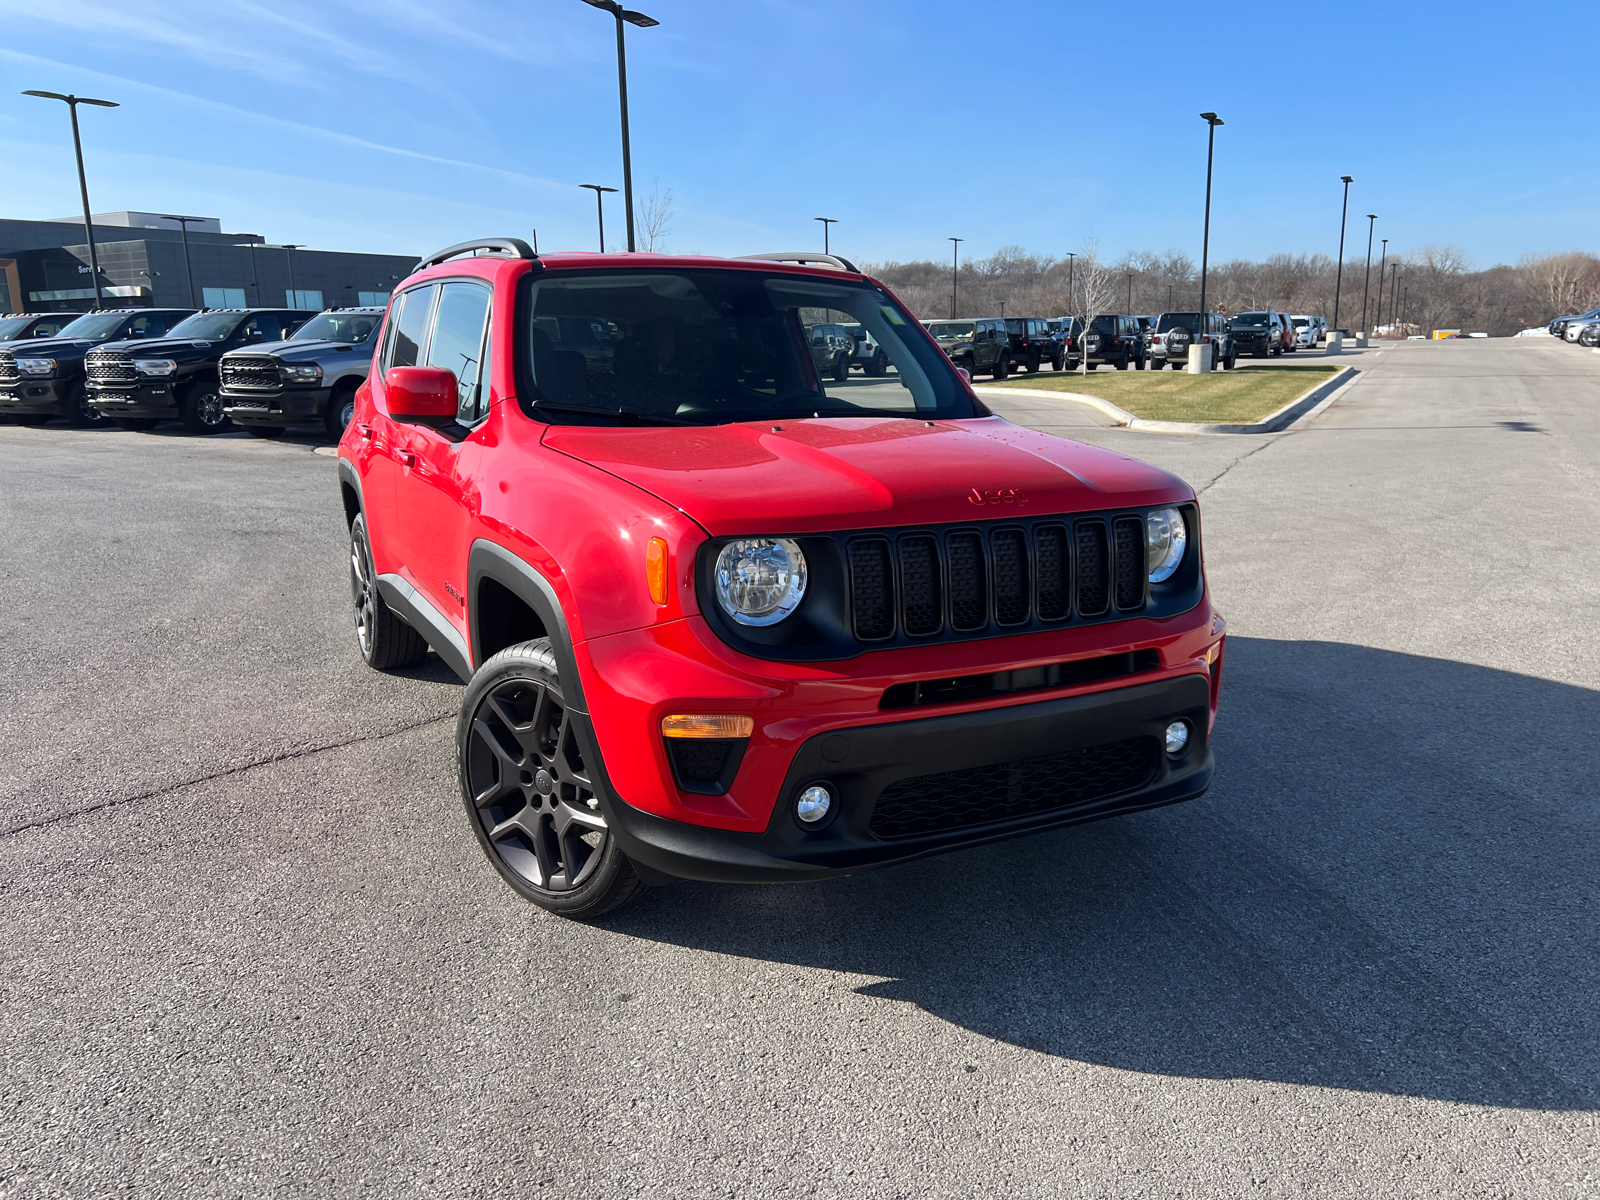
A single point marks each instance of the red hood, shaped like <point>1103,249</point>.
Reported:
<point>820,475</point>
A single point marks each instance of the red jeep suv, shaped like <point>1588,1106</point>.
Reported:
<point>722,617</point>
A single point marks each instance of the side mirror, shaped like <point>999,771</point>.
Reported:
<point>966,375</point>
<point>420,394</point>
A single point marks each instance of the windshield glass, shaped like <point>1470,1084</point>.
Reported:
<point>952,329</point>
<point>11,326</point>
<point>1300,322</point>
<point>351,328</point>
<point>1252,320</point>
<point>1189,321</point>
<point>716,346</point>
<point>207,326</point>
<point>95,325</point>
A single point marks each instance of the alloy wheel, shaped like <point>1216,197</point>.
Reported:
<point>361,592</point>
<point>208,407</point>
<point>530,789</point>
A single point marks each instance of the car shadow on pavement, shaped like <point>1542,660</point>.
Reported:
<point>1391,887</point>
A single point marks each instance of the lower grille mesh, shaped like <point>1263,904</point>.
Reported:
<point>980,795</point>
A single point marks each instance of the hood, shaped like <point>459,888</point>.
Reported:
<point>307,350</point>
<point>829,474</point>
<point>166,347</point>
<point>49,347</point>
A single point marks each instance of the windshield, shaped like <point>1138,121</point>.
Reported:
<point>11,326</point>
<point>715,346</point>
<point>1301,322</point>
<point>350,328</point>
<point>952,329</point>
<point>95,326</point>
<point>207,326</point>
<point>1252,320</point>
<point>1189,321</point>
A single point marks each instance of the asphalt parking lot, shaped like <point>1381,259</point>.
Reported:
<point>249,948</point>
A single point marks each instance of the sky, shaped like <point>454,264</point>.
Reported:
<point>400,126</point>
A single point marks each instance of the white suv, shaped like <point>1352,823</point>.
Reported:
<point>1309,332</point>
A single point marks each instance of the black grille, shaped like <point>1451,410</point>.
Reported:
<point>981,795</point>
<point>997,577</point>
<point>249,373</point>
<point>8,368</point>
<point>110,366</point>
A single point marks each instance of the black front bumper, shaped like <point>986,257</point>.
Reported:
<point>285,407</point>
<point>31,396</point>
<point>1003,748</point>
<point>154,399</point>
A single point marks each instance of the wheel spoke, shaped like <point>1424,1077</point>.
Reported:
<point>567,816</point>
<point>575,855</point>
<point>545,850</point>
<point>508,764</point>
<point>516,822</point>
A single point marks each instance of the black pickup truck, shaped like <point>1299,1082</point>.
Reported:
<point>43,377</point>
<point>310,378</point>
<point>139,384</point>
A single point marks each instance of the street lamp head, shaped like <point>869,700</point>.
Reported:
<point>1347,178</point>
<point>1372,216</point>
<point>70,99</point>
<point>1211,118</point>
<point>639,19</point>
<point>597,187</point>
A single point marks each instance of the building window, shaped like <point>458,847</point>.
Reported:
<point>311,301</point>
<point>373,299</point>
<point>223,297</point>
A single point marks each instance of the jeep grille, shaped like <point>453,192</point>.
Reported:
<point>111,367</point>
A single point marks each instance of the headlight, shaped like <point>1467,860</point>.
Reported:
<point>298,373</point>
<point>760,581</point>
<point>1166,537</point>
<point>36,366</point>
<point>154,366</point>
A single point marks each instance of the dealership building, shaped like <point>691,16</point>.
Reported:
<point>152,261</point>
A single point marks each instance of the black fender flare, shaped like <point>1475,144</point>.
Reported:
<point>489,560</point>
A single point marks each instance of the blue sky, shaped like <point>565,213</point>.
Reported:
<point>400,126</point>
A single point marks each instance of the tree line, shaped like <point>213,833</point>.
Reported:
<point>1434,288</point>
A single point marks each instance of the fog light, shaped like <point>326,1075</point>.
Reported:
<point>1177,737</point>
<point>814,804</point>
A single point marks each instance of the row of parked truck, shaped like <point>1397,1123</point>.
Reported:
<point>264,368</point>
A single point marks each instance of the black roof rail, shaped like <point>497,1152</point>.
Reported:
<point>497,247</point>
<point>805,258</point>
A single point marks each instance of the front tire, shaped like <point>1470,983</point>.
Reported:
<point>528,793</point>
<point>80,413</point>
<point>1002,367</point>
<point>200,409</point>
<point>341,411</point>
<point>386,642</point>
<point>841,368</point>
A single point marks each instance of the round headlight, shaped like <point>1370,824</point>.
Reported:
<point>760,581</point>
<point>1166,537</point>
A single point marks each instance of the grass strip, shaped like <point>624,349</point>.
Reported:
<point>1223,397</point>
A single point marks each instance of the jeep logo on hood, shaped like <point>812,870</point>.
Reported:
<point>996,496</point>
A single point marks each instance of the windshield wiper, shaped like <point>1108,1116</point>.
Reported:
<point>635,417</point>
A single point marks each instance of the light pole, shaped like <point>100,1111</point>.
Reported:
<point>1382,263</point>
<point>600,208</point>
<point>643,22</point>
<point>955,259</point>
<point>1169,297</point>
<point>1394,286</point>
<point>1338,279</point>
<point>1002,310</point>
<point>1213,121</point>
<point>1372,221</point>
<point>1072,262</point>
<point>1405,302</point>
<point>1130,291</point>
<point>72,103</point>
<point>826,221</point>
<point>255,276</point>
<point>183,223</point>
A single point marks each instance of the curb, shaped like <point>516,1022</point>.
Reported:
<point>1316,399</point>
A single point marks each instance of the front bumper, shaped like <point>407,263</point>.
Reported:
<point>30,396</point>
<point>949,782</point>
<point>1248,343</point>
<point>285,407</point>
<point>155,398</point>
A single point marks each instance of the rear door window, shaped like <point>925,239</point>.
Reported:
<point>460,328</point>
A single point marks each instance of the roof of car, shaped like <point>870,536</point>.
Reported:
<point>568,260</point>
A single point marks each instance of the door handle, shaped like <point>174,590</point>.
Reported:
<point>407,459</point>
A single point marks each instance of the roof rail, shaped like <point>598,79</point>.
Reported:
<point>498,248</point>
<point>806,258</point>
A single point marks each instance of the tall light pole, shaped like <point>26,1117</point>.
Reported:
<point>600,209</point>
<point>1382,263</point>
<point>826,221</point>
<point>1213,121</point>
<point>1338,279</point>
<point>1394,286</point>
<point>1169,297</point>
<point>72,103</point>
<point>1130,291</point>
<point>643,22</point>
<point>1372,221</point>
<point>183,223</point>
<point>1072,262</point>
<point>1405,302</point>
<point>955,259</point>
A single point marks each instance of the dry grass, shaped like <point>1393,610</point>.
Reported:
<point>1237,396</point>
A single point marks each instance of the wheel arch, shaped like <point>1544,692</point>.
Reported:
<point>508,601</point>
<point>350,492</point>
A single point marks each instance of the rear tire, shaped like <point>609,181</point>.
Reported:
<point>878,365</point>
<point>386,642</point>
<point>1002,367</point>
<point>200,409</point>
<point>1139,363</point>
<point>529,795</point>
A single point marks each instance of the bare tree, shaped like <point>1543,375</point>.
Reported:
<point>1095,294</point>
<point>655,218</point>
<point>1561,283</point>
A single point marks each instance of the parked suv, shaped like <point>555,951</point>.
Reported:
<point>1177,331</point>
<point>1112,339</point>
<point>20,327</point>
<point>720,617</point>
<point>139,384</point>
<point>979,346</point>
<point>1259,334</point>
<point>309,378</point>
<point>832,350</point>
<point>1030,344</point>
<point>1310,332</point>
<point>43,377</point>
<point>869,356</point>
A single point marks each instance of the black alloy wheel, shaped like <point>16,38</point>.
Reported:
<point>528,791</point>
<point>80,413</point>
<point>200,408</point>
<point>385,641</point>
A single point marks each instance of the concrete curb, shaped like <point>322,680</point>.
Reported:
<point>1316,399</point>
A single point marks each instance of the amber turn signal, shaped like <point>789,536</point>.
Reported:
<point>706,725</point>
<point>655,569</point>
